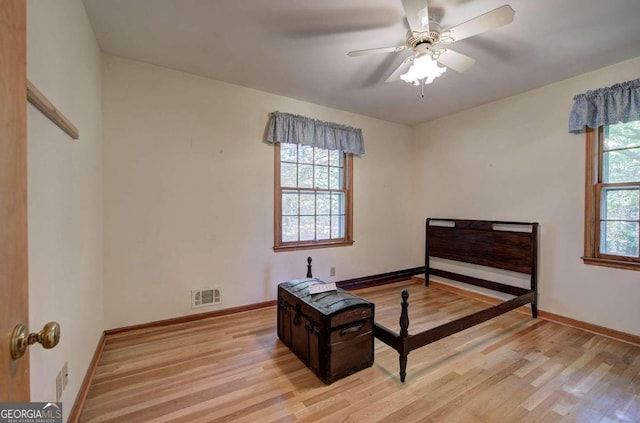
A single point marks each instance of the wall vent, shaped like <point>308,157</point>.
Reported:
<point>205,297</point>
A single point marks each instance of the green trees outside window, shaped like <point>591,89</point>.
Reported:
<point>620,189</point>
<point>312,197</point>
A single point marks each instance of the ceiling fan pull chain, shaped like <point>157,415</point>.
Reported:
<point>422,84</point>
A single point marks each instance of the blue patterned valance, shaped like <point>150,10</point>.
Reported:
<point>294,129</point>
<point>606,106</point>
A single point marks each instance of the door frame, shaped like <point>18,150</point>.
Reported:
<point>14,283</point>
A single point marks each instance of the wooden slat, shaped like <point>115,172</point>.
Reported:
<point>496,286</point>
<point>499,249</point>
<point>380,279</point>
<point>42,103</point>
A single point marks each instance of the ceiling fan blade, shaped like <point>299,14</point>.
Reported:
<point>417,14</point>
<point>376,51</point>
<point>404,67</point>
<point>490,20</point>
<point>456,61</point>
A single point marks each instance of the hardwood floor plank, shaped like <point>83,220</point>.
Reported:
<point>233,368</point>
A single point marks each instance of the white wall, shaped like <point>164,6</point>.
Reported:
<point>514,160</point>
<point>65,194</point>
<point>189,194</point>
<point>188,188</point>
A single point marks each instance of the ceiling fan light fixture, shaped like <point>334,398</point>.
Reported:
<point>424,70</point>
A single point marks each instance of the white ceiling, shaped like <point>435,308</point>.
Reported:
<point>297,48</point>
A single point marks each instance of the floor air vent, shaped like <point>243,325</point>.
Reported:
<point>205,297</point>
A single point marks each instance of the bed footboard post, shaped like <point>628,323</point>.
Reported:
<point>309,267</point>
<point>534,270</point>
<point>426,253</point>
<point>403,367</point>
<point>404,314</point>
<point>404,334</point>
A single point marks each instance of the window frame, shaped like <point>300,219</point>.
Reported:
<point>348,240</point>
<point>593,206</point>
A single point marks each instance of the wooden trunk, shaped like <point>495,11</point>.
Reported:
<point>331,332</point>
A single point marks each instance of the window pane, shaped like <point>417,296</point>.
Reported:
<point>305,176</point>
<point>288,152</point>
<point>337,203</point>
<point>620,204</point>
<point>321,157</point>
<point>335,158</point>
<point>619,238</point>
<point>323,227</point>
<point>313,200</point>
<point>307,228</point>
<point>289,228</point>
<point>337,226</point>
<point>622,135</point>
<point>335,178</point>
<point>290,203</point>
<point>305,154</point>
<point>307,203</point>
<point>621,166</point>
<point>323,204</point>
<point>288,177</point>
<point>321,177</point>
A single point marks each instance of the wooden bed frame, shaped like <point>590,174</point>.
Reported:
<point>509,246</point>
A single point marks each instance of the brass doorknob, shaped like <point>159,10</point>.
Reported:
<point>48,337</point>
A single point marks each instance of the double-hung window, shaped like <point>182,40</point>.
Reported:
<point>313,197</point>
<point>612,223</point>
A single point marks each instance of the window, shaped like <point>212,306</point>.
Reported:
<point>313,197</point>
<point>612,223</point>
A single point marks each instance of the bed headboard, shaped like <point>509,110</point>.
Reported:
<point>504,245</point>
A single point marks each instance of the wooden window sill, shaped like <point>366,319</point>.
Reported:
<point>312,245</point>
<point>620,264</point>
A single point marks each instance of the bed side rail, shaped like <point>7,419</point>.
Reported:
<point>386,335</point>
<point>423,338</point>
<point>496,286</point>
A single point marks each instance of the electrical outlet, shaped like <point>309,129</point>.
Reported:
<point>59,387</point>
<point>332,272</point>
<point>65,375</point>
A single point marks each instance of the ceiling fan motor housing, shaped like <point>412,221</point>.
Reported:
<point>422,41</point>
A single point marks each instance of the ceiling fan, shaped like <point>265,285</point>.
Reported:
<point>428,42</point>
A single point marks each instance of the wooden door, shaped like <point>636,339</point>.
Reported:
<point>14,302</point>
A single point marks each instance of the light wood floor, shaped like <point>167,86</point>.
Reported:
<point>234,368</point>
